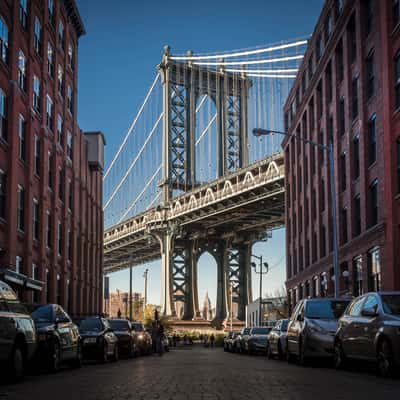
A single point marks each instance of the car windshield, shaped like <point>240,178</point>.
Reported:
<point>284,325</point>
<point>43,314</point>
<point>325,309</point>
<point>119,325</point>
<point>92,324</point>
<point>137,327</point>
<point>391,303</point>
<point>260,331</point>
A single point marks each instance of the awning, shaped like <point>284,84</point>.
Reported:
<point>20,279</point>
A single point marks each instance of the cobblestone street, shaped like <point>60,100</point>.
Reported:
<point>200,373</point>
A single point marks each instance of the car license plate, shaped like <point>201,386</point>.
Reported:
<point>90,340</point>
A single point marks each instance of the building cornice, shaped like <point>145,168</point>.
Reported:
<point>74,16</point>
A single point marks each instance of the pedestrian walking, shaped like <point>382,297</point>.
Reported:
<point>119,314</point>
<point>212,339</point>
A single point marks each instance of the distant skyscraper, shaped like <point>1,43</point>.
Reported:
<point>207,312</point>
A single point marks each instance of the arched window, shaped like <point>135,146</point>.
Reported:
<point>3,115</point>
<point>3,40</point>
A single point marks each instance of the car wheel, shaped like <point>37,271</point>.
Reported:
<point>115,354</point>
<point>77,363</point>
<point>280,352</point>
<point>17,363</point>
<point>104,354</point>
<point>303,361</point>
<point>385,358</point>
<point>132,351</point>
<point>339,358</point>
<point>55,358</point>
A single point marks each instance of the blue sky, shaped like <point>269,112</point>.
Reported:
<point>117,63</point>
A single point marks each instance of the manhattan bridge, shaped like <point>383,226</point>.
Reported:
<point>190,177</point>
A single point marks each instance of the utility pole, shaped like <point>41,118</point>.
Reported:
<point>130,293</point>
<point>145,290</point>
<point>261,272</point>
<point>231,307</point>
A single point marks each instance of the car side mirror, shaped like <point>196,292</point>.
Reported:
<point>369,312</point>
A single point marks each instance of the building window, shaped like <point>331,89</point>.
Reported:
<point>22,70</point>
<point>374,270</point>
<point>339,62</point>
<point>61,184</point>
<point>3,194</point>
<point>70,99</point>
<point>328,25</point>
<point>69,245</point>
<point>35,217</point>
<point>50,60</point>
<point>328,80</point>
<point>330,130</point>
<point>370,75</point>
<point>37,155</point>
<point>339,7</point>
<point>36,93</point>
<point>60,80</point>
<point>59,238</point>
<point>19,265</point>
<point>50,170</point>
<point>312,116</point>
<point>70,196</point>
<point>369,16</point>
<point>20,208</point>
<point>398,164</point>
<point>3,115</point>
<point>304,84</point>
<point>356,157</point>
<point>318,48</point>
<point>310,68</point>
<point>397,80</point>
<point>357,215</point>
<point>344,225</point>
<point>354,98</point>
<point>351,28</point>
<point>49,112</point>
<point>323,241</point>
<point>61,35</point>
<point>22,137</point>
<point>372,140</point>
<point>343,175</point>
<point>50,7</point>
<point>322,200</point>
<point>3,41</point>
<point>396,13</point>
<point>357,276</point>
<point>37,39</point>
<point>320,108</point>
<point>70,150</point>
<point>71,58</point>
<point>59,130</point>
<point>373,204</point>
<point>48,229</point>
<point>23,13</point>
<point>342,119</point>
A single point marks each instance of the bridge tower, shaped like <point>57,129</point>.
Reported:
<point>183,84</point>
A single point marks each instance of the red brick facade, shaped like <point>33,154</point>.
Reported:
<point>345,94</point>
<point>51,191</point>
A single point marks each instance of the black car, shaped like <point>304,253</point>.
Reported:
<point>17,334</point>
<point>145,343</point>
<point>98,339</point>
<point>127,337</point>
<point>58,337</point>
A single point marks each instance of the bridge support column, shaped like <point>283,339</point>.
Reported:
<point>221,256</point>
<point>167,304</point>
<point>188,306</point>
<point>244,293</point>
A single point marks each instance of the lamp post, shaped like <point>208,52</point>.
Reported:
<point>261,272</point>
<point>329,149</point>
<point>231,305</point>
<point>145,290</point>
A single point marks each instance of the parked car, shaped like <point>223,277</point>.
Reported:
<point>17,334</point>
<point>277,339</point>
<point>98,339</point>
<point>144,338</point>
<point>127,337</point>
<point>369,329</point>
<point>238,344</point>
<point>58,337</point>
<point>165,341</point>
<point>312,327</point>
<point>258,340</point>
<point>229,340</point>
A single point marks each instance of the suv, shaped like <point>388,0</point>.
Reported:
<point>17,333</point>
<point>370,330</point>
<point>312,327</point>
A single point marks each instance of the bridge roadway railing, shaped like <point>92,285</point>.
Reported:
<point>257,174</point>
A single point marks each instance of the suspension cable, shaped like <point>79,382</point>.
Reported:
<point>251,62</point>
<point>130,130</point>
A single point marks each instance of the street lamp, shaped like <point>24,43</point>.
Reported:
<point>263,269</point>
<point>329,149</point>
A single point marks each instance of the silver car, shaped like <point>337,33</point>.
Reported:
<point>312,327</point>
<point>277,339</point>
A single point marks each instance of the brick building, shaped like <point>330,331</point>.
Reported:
<point>347,92</point>
<point>51,221</point>
<point>119,301</point>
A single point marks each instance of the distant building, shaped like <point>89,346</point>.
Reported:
<point>272,309</point>
<point>347,92</point>
<point>119,300</point>
<point>207,311</point>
